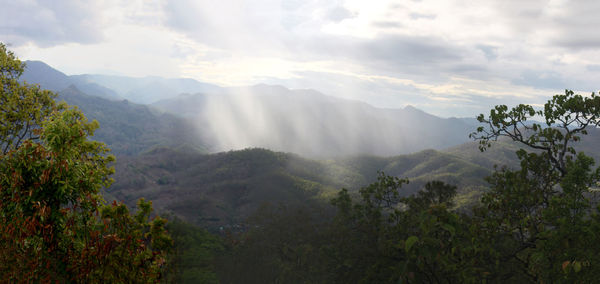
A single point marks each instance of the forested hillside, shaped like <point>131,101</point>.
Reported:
<point>224,189</point>
<point>55,225</point>
<point>498,208</point>
<point>128,128</point>
<point>131,129</point>
<point>293,141</point>
<point>304,122</point>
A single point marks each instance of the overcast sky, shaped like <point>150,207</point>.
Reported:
<point>449,58</point>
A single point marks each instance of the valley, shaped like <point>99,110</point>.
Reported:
<point>166,151</point>
<point>288,141</point>
<point>310,184</point>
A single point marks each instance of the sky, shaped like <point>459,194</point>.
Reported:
<point>450,58</point>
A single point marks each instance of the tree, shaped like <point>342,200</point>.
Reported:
<point>536,223</point>
<point>192,259</point>
<point>22,106</point>
<point>387,238</point>
<point>566,118</point>
<point>54,226</point>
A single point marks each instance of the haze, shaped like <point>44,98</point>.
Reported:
<point>449,58</point>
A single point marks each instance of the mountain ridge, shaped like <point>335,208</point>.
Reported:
<point>302,121</point>
<point>38,72</point>
<point>312,124</point>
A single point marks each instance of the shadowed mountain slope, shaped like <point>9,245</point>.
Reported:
<point>129,129</point>
<point>37,72</point>
<point>299,121</point>
<point>146,90</point>
<point>138,90</point>
<point>224,188</point>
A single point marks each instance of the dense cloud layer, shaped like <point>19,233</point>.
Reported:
<point>437,55</point>
<point>49,23</point>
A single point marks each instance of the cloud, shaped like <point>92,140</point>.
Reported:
<point>562,24</point>
<point>575,25</point>
<point>409,50</point>
<point>49,23</point>
<point>593,67</point>
<point>456,97</point>
<point>257,27</point>
<point>433,54</point>
<point>544,80</point>
<point>415,57</point>
<point>387,24</point>
<point>339,13</point>
<point>491,52</point>
<point>417,16</point>
<point>404,56</point>
<point>262,28</point>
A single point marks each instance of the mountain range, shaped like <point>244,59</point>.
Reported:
<point>305,122</point>
<point>312,124</point>
<point>138,90</point>
<point>185,152</point>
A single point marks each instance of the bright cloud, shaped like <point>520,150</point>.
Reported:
<point>450,58</point>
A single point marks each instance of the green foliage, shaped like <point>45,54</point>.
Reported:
<point>226,188</point>
<point>121,248</point>
<point>400,238</point>
<point>49,198</point>
<point>219,189</point>
<point>376,239</point>
<point>22,107</point>
<point>54,226</point>
<point>566,117</point>
<point>192,258</point>
<point>283,244</point>
<point>435,192</point>
<point>537,222</point>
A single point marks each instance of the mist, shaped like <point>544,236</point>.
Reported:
<point>312,124</point>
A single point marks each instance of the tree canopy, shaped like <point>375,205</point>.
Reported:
<point>537,222</point>
<point>54,224</point>
<point>23,107</point>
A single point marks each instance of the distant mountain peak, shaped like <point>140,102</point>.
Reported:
<point>270,88</point>
<point>412,108</point>
<point>38,72</point>
<point>40,64</point>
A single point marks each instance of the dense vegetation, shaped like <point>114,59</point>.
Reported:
<point>55,225</point>
<point>131,129</point>
<point>271,217</point>
<point>127,128</point>
<point>536,223</point>
<point>226,188</point>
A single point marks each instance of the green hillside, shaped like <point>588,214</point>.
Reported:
<point>128,128</point>
<point>223,189</point>
<point>215,190</point>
